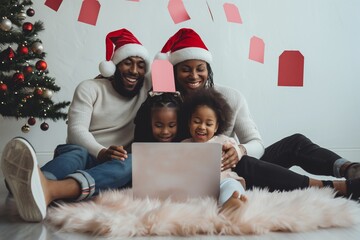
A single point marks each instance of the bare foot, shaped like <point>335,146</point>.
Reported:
<point>236,201</point>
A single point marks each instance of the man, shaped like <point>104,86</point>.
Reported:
<point>100,131</point>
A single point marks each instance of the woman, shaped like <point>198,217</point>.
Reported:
<point>261,167</point>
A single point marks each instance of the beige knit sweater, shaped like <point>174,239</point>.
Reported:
<point>242,126</point>
<point>100,117</point>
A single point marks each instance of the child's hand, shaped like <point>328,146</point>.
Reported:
<point>230,157</point>
<point>113,152</point>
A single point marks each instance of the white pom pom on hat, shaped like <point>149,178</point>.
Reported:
<point>162,56</point>
<point>125,45</point>
<point>107,68</point>
<point>184,45</point>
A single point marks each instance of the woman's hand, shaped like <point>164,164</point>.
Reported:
<point>113,152</point>
<point>230,157</point>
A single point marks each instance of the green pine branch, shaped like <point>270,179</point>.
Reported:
<point>25,91</point>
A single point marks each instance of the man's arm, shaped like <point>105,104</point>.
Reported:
<point>79,119</point>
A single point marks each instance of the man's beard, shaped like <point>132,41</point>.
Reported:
<point>119,85</point>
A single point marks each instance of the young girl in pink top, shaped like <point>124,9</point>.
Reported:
<point>208,116</point>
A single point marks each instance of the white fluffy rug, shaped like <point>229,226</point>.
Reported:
<point>116,214</point>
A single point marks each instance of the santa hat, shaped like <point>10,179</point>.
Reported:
<point>184,45</point>
<point>121,44</point>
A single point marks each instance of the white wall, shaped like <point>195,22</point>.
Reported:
<point>327,32</point>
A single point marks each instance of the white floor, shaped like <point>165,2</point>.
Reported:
<point>12,227</point>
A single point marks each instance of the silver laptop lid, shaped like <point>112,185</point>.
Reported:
<point>176,170</point>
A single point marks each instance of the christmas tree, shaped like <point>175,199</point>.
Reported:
<point>25,87</point>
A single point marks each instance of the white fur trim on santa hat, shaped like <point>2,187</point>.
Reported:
<point>107,68</point>
<point>190,53</point>
<point>131,50</point>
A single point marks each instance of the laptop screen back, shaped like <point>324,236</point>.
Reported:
<point>176,170</point>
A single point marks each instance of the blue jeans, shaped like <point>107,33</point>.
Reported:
<point>75,161</point>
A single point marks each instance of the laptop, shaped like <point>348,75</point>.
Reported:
<point>176,170</point>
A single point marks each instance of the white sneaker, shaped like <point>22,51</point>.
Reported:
<point>21,172</point>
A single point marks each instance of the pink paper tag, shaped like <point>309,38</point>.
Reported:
<point>257,48</point>
<point>291,69</point>
<point>232,13</point>
<point>177,11</point>
<point>162,75</point>
<point>89,12</point>
<point>53,4</point>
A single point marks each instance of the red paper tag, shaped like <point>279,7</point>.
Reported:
<point>291,69</point>
<point>53,4</point>
<point>89,12</point>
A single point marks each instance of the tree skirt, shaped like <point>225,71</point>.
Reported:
<point>117,214</point>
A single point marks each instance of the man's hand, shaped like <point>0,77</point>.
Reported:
<point>230,157</point>
<point>113,152</point>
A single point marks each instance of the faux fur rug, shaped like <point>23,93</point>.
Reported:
<point>117,214</point>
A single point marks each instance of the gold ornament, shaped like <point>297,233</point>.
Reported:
<point>25,128</point>
<point>22,15</point>
<point>37,47</point>
<point>5,24</point>
<point>47,93</point>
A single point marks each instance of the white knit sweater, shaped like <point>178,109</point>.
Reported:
<point>100,117</point>
<point>242,124</point>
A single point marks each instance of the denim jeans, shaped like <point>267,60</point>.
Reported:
<point>75,161</point>
<point>272,170</point>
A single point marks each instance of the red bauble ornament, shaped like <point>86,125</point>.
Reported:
<point>3,87</point>
<point>30,12</point>
<point>41,65</point>
<point>18,77</point>
<point>27,70</point>
<point>27,27</point>
<point>39,91</point>
<point>44,126</point>
<point>7,54</point>
<point>31,121</point>
<point>11,53</point>
<point>23,50</point>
